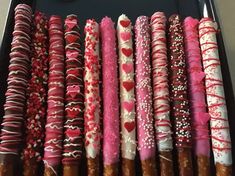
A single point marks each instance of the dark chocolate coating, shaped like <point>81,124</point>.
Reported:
<point>179,97</point>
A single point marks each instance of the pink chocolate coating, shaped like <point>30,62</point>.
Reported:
<point>145,128</point>
<point>55,100</point>
<point>110,93</point>
<point>199,115</point>
<point>11,135</point>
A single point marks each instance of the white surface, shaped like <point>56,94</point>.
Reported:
<point>4,4</point>
<point>225,12</point>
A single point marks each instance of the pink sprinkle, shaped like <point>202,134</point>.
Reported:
<point>110,92</point>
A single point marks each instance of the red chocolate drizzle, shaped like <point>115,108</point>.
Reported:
<point>74,106</point>
<point>37,90</point>
<point>221,142</point>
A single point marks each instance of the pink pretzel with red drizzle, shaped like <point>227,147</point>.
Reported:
<point>199,115</point>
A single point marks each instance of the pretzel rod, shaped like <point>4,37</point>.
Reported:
<point>145,129</point>
<point>73,125</point>
<point>127,97</point>
<point>200,117</point>
<point>92,97</point>
<point>221,142</point>
<point>111,139</point>
<point>161,93</point>
<point>36,96</point>
<point>12,123</point>
<point>55,101</point>
<point>179,99</point>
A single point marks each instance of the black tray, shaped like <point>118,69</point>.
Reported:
<point>97,9</point>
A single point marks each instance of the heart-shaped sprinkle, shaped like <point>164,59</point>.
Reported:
<point>73,91</point>
<point>125,23</point>
<point>128,105</point>
<point>87,143</point>
<point>127,68</point>
<point>71,38</point>
<point>127,52</point>
<point>73,132</point>
<point>71,23</point>
<point>128,85</point>
<point>125,36</point>
<point>72,54</point>
<point>129,126</point>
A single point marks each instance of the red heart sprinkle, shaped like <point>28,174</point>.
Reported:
<point>125,23</point>
<point>73,90</point>
<point>71,23</point>
<point>128,105</point>
<point>73,133</point>
<point>125,36</point>
<point>87,143</point>
<point>127,67</point>
<point>71,38</point>
<point>129,126</point>
<point>127,52</point>
<point>128,85</point>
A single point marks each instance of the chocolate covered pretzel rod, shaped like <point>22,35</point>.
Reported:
<point>14,107</point>
<point>127,97</point>
<point>92,97</point>
<point>199,115</point>
<point>221,142</point>
<point>161,93</point>
<point>55,101</point>
<point>111,139</point>
<point>145,127</point>
<point>73,125</point>
<point>36,96</point>
<point>179,99</point>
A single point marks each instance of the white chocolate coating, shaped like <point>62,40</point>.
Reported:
<point>160,82</point>
<point>221,142</point>
<point>92,92</point>
<point>127,98</point>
